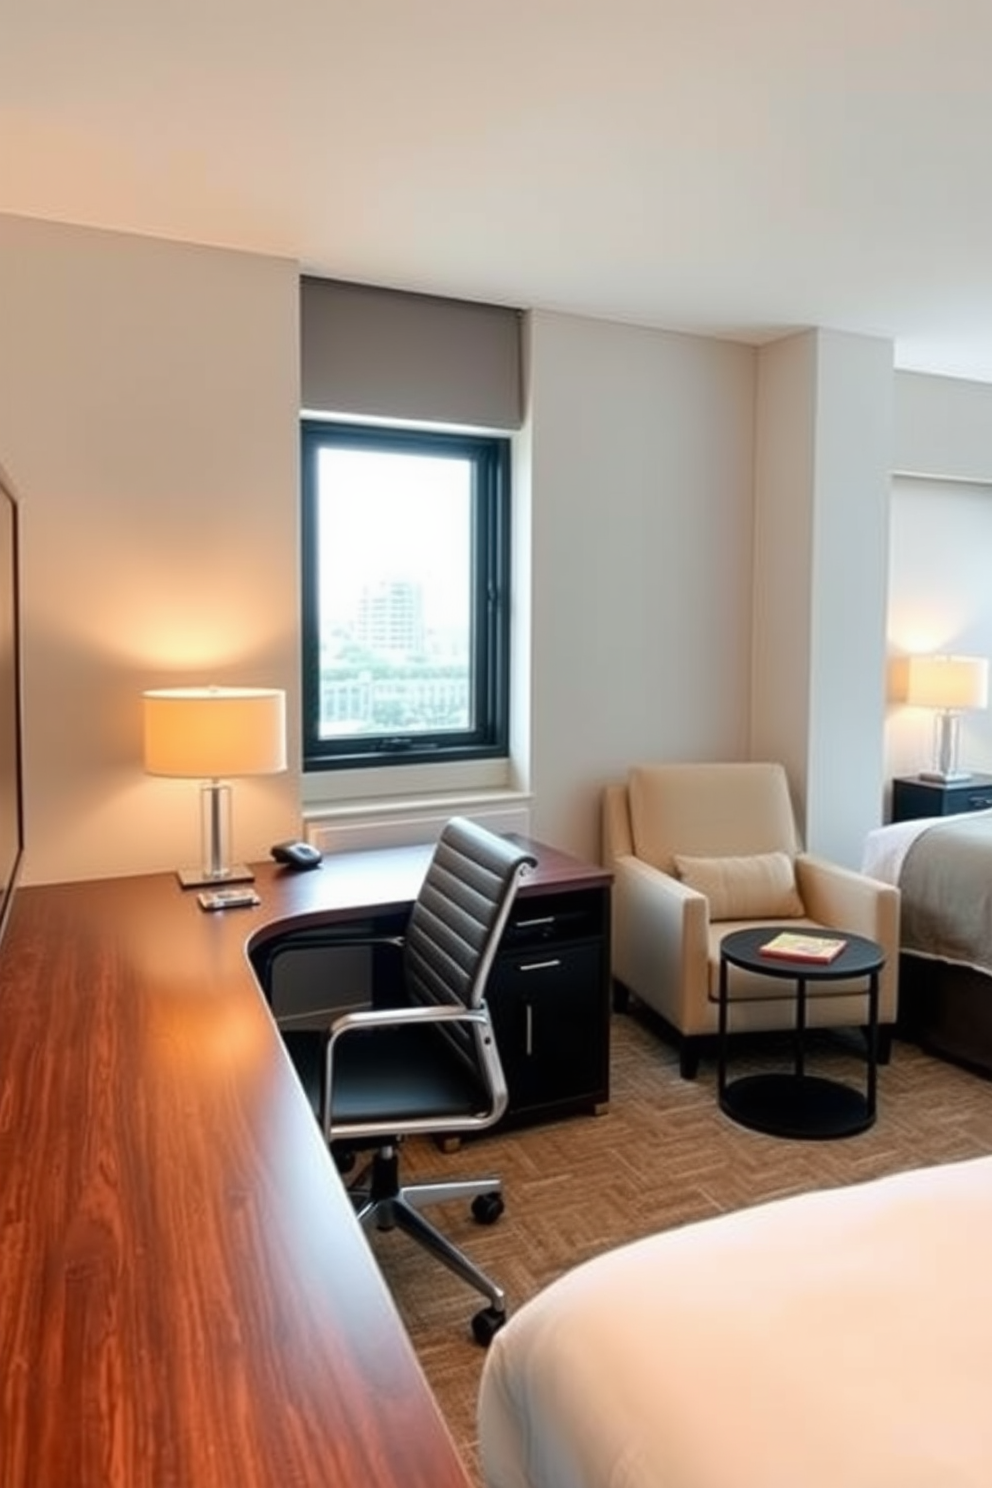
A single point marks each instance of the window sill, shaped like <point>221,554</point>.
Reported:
<point>400,821</point>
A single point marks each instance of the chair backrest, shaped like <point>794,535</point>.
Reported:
<point>458,917</point>
<point>710,810</point>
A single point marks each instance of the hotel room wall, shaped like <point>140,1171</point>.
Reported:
<point>824,420</point>
<point>642,452</point>
<point>148,401</point>
<point>148,405</point>
<point>785,428</point>
<point>943,427</point>
<point>940,558</point>
<point>940,599</point>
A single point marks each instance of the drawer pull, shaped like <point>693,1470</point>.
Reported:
<point>539,965</point>
<point>529,1031</point>
<point>530,924</point>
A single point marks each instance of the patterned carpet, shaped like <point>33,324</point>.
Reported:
<point>663,1155</point>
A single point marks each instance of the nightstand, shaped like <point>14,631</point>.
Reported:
<point>913,797</point>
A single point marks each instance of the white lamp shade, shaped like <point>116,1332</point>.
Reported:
<point>952,682</point>
<point>213,732</point>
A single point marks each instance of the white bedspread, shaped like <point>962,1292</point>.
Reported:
<point>886,847</point>
<point>841,1339</point>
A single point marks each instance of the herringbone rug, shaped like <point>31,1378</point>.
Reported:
<point>663,1155</point>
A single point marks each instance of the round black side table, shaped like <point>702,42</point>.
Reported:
<point>794,1103</point>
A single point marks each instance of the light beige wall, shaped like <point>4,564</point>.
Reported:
<point>850,547</point>
<point>940,599</point>
<point>148,412</point>
<point>824,454</point>
<point>641,511</point>
<point>783,554</point>
<point>942,427</point>
<point>148,415</point>
<point>940,560</point>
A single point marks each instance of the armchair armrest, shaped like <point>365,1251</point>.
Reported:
<point>618,841</point>
<point>844,899</point>
<point>661,942</point>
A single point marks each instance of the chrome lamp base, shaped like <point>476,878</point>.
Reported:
<point>945,750</point>
<point>196,878</point>
<point>215,835</point>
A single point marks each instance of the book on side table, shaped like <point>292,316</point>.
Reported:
<point>792,946</point>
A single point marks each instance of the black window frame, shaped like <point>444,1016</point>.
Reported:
<point>490,580</point>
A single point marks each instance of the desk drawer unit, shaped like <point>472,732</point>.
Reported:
<point>549,997</point>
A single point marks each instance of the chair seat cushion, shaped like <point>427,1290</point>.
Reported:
<point>758,886</point>
<point>404,1073</point>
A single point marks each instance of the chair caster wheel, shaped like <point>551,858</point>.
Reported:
<point>487,1208</point>
<point>486,1324</point>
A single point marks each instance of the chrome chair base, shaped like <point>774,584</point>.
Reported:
<point>381,1202</point>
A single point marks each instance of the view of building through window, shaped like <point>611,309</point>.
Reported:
<point>394,539</point>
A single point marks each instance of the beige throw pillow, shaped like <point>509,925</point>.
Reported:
<point>761,886</point>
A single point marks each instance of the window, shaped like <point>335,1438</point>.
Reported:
<point>405,595</point>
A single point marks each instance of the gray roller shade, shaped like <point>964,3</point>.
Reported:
<point>383,353</point>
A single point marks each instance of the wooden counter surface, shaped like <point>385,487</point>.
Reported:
<point>186,1300</point>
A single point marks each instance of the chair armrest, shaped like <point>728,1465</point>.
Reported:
<point>384,1018</point>
<point>843,899</point>
<point>392,1017</point>
<point>660,942</point>
<point>339,1023</point>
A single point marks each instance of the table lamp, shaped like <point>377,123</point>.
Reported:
<point>950,684</point>
<point>210,734</point>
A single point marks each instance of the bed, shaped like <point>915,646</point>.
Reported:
<point>838,1339</point>
<point>943,869</point>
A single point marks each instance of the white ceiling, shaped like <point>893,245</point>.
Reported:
<point>734,167</point>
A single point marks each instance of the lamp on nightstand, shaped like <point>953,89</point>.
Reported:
<point>210,734</point>
<point>949,684</point>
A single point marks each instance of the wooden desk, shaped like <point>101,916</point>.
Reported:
<point>186,1299</point>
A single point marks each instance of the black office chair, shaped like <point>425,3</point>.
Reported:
<point>423,1058</point>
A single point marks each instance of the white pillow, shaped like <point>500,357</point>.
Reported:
<point>761,886</point>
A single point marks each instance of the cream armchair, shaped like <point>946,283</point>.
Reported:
<point>698,850</point>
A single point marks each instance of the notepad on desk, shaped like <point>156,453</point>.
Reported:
<point>791,946</point>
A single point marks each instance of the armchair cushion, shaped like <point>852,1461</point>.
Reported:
<point>756,886</point>
<point>709,810</point>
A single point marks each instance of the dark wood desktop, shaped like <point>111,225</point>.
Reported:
<point>186,1299</point>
